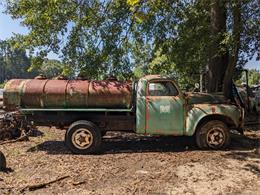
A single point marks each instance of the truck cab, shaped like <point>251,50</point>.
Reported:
<point>163,109</point>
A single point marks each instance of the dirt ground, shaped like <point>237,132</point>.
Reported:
<point>130,164</point>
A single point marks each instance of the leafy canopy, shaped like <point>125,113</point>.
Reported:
<point>130,37</point>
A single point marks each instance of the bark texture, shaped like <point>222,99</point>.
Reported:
<point>233,58</point>
<point>218,59</point>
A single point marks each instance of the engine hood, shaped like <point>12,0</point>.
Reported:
<point>207,98</point>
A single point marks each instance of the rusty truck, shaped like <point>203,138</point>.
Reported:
<point>87,109</point>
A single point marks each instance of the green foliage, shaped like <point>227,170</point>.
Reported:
<point>254,77</point>
<point>14,63</point>
<point>160,64</point>
<point>2,85</point>
<point>133,2</point>
<point>54,68</point>
<point>130,38</point>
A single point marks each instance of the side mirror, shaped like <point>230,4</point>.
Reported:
<point>196,87</point>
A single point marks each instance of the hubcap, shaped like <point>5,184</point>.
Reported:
<point>82,138</point>
<point>215,137</point>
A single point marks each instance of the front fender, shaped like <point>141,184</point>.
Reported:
<point>197,112</point>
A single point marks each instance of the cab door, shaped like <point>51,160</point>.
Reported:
<point>164,108</point>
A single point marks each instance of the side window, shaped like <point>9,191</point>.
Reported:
<point>164,88</point>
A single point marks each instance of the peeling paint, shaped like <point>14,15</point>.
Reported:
<point>167,115</point>
<point>45,93</point>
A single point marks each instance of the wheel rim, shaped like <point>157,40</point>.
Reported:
<point>82,138</point>
<point>215,137</point>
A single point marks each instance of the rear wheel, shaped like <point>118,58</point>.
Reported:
<point>83,137</point>
<point>213,135</point>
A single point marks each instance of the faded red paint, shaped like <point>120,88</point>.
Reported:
<point>55,93</point>
<point>77,93</point>
<point>110,94</point>
<point>33,93</point>
<point>68,94</point>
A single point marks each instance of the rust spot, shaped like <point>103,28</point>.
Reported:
<point>33,93</point>
<point>37,93</point>
<point>110,94</point>
<point>213,109</point>
<point>77,93</point>
<point>11,96</point>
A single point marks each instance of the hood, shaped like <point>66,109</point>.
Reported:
<point>200,98</point>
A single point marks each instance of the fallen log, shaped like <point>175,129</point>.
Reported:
<point>22,138</point>
<point>78,183</point>
<point>42,185</point>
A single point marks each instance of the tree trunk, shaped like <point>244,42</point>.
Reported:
<point>218,59</point>
<point>227,83</point>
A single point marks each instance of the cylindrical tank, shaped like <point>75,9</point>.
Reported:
<point>44,93</point>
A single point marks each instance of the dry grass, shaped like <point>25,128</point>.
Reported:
<point>131,164</point>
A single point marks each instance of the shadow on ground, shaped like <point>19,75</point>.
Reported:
<point>131,143</point>
<point>119,144</point>
<point>36,133</point>
<point>241,142</point>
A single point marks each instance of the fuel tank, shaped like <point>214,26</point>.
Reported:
<point>45,93</point>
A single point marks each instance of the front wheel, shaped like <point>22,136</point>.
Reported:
<point>213,135</point>
<point>83,137</point>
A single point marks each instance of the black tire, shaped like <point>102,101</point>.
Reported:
<point>78,132</point>
<point>213,135</point>
<point>2,162</point>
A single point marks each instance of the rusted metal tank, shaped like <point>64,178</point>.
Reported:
<point>44,93</point>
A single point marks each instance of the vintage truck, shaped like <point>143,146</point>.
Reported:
<point>153,105</point>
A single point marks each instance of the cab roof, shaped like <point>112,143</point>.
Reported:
<point>152,76</point>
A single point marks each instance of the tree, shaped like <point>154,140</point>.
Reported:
<point>99,37</point>
<point>254,77</point>
<point>223,59</point>
<point>218,56</point>
<point>54,68</point>
<point>14,63</point>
